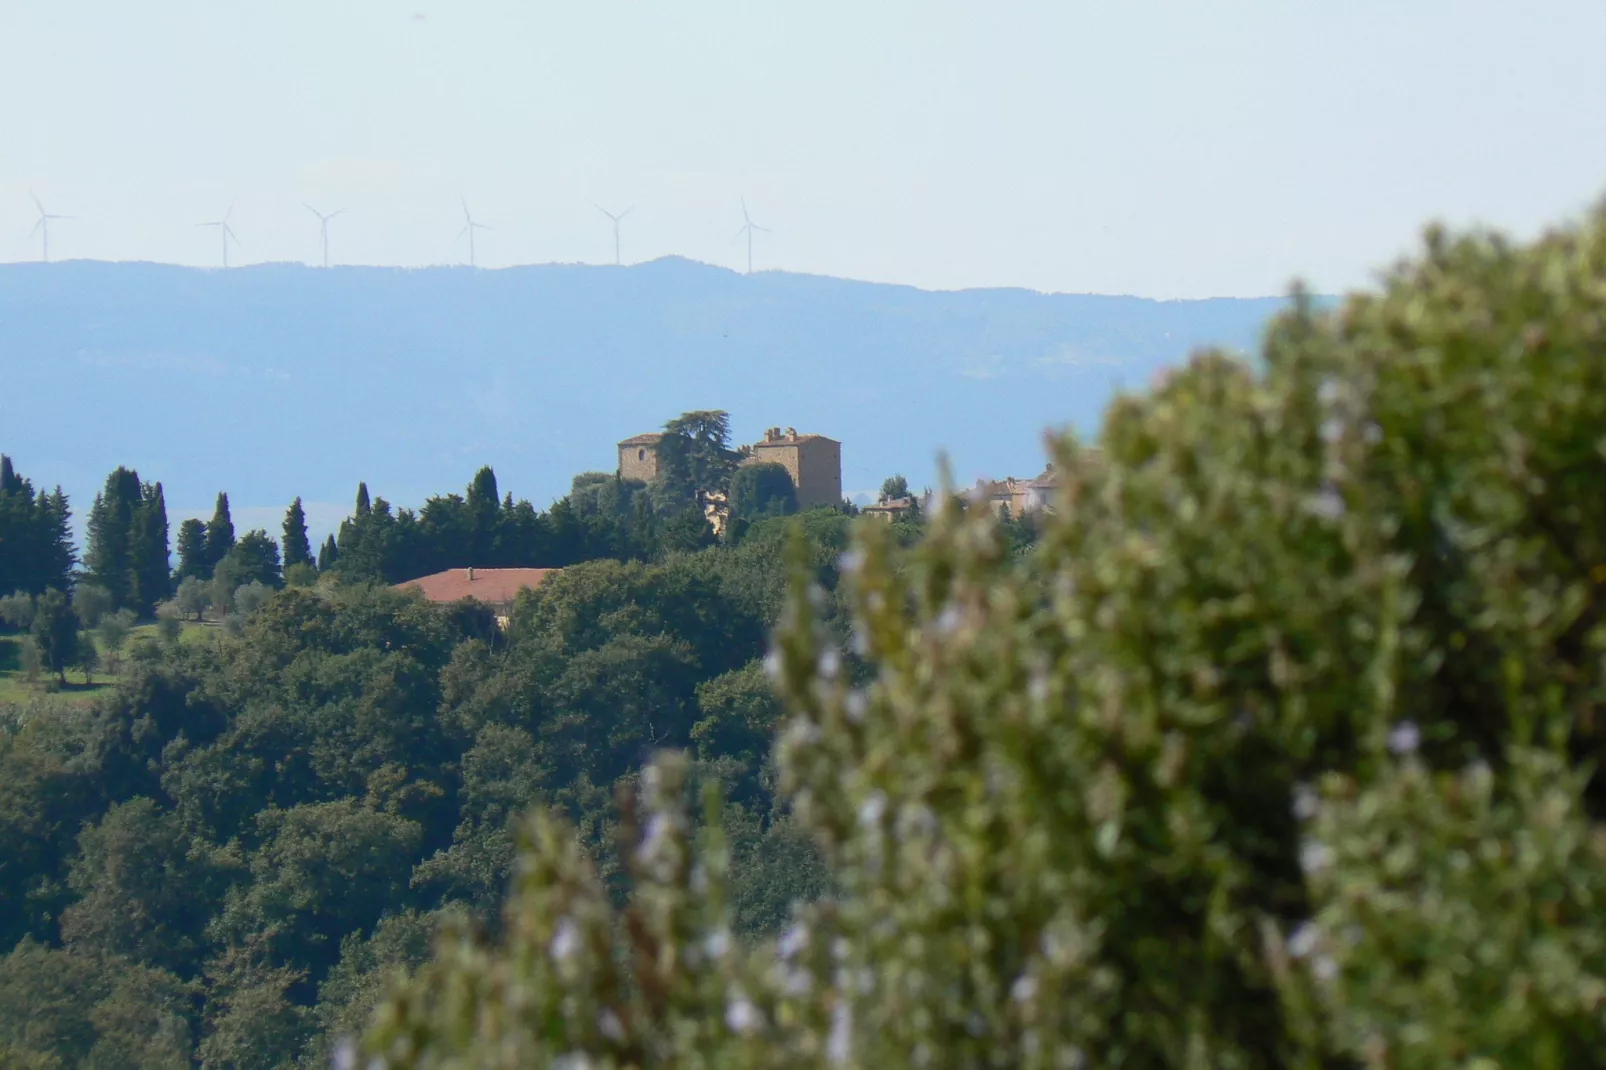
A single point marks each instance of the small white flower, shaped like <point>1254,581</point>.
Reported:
<point>572,1060</point>
<point>1024,990</point>
<point>1327,504</point>
<point>1303,940</point>
<point>817,596</point>
<point>793,940</point>
<point>830,663</point>
<point>839,1042</point>
<point>565,941</point>
<point>1328,393</point>
<point>1315,857</point>
<point>718,943</point>
<point>870,811</point>
<point>1324,968</point>
<point>860,642</point>
<point>772,664</point>
<point>1306,802</point>
<point>658,827</point>
<point>345,1056</point>
<point>855,705</point>
<point>949,619</point>
<point>850,562</point>
<point>741,1016</point>
<point>1037,688</point>
<point>1332,429</point>
<point>609,1025</point>
<point>1404,739</point>
<point>797,983</point>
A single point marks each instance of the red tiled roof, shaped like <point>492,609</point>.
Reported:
<point>642,440</point>
<point>493,586</point>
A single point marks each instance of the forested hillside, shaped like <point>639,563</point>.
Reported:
<point>298,771</point>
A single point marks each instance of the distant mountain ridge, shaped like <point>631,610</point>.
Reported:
<point>279,380</point>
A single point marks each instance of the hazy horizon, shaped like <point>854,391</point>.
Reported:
<point>1165,150</point>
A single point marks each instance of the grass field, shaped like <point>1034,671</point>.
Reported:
<point>14,687</point>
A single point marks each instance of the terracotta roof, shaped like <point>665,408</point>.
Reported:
<point>647,439</point>
<point>493,586</point>
<point>792,441</point>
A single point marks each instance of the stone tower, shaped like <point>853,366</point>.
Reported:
<point>813,461</point>
<point>638,457</point>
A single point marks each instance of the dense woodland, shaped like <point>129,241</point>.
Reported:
<point>214,861</point>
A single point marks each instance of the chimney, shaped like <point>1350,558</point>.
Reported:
<point>471,574</point>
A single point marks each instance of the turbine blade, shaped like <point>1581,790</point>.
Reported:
<point>627,211</point>
<point>229,212</point>
<point>604,211</point>
<point>36,226</point>
<point>37,203</point>
<point>331,215</point>
<point>311,209</point>
<point>739,233</point>
<point>460,235</point>
<point>465,209</point>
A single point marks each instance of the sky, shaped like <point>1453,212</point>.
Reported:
<point>1166,149</point>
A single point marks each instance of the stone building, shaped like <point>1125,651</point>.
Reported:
<point>638,457</point>
<point>813,461</point>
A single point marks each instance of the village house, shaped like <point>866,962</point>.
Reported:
<point>497,588</point>
<point>891,509</point>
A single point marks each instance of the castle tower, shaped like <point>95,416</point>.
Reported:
<point>813,461</point>
<point>638,457</point>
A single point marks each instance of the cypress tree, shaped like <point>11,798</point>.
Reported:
<point>296,549</point>
<point>327,554</point>
<point>59,555</point>
<point>363,505</point>
<point>110,558</point>
<point>19,532</point>
<point>152,579</point>
<point>219,532</point>
<point>484,511</point>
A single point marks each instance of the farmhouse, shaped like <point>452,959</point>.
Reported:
<point>494,587</point>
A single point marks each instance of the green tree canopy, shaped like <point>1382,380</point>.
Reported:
<point>762,490</point>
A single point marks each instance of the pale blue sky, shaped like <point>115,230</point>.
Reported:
<point>1183,148</point>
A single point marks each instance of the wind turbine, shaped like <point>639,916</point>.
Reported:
<point>225,230</point>
<point>748,227</point>
<point>615,219</point>
<point>469,227</point>
<point>42,227</point>
<point>323,222</point>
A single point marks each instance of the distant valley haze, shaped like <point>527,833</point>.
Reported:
<point>278,380</point>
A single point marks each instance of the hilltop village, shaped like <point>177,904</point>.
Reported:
<point>812,463</point>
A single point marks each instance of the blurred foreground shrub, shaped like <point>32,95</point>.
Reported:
<point>1280,748</point>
